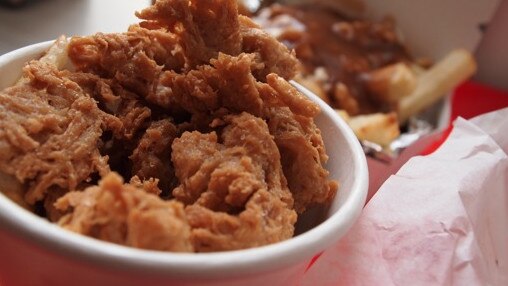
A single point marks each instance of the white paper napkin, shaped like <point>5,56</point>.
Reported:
<point>441,220</point>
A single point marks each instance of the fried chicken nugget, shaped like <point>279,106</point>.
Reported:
<point>125,214</point>
<point>49,132</point>
<point>208,26</point>
<point>236,192</point>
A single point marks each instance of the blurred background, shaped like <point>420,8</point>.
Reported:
<point>24,22</point>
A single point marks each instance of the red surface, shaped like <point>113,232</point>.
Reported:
<point>469,100</point>
<point>472,99</point>
<point>313,260</point>
<point>23,262</point>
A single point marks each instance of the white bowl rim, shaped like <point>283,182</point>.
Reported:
<point>195,265</point>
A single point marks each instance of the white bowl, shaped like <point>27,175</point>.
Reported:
<point>36,252</point>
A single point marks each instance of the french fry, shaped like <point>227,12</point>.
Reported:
<point>391,83</point>
<point>342,113</point>
<point>433,84</point>
<point>344,99</point>
<point>417,70</point>
<point>380,128</point>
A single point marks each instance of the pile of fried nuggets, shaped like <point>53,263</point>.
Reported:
<point>192,107</point>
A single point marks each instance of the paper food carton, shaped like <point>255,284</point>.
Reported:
<point>432,29</point>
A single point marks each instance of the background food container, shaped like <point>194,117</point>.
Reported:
<point>36,252</point>
<point>433,28</point>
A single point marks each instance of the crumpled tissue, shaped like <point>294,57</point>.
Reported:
<point>441,220</point>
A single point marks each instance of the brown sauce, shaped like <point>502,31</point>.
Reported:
<point>346,49</point>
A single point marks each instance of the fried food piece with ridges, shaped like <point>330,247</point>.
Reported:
<point>49,132</point>
<point>236,192</point>
<point>127,215</point>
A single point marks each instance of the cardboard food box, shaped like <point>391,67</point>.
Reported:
<point>434,28</point>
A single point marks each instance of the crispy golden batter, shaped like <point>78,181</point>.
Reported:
<point>205,27</point>
<point>124,214</point>
<point>220,152</point>
<point>290,119</point>
<point>134,59</point>
<point>49,132</point>
<point>52,195</point>
<point>303,156</point>
<point>265,220</point>
<point>152,156</point>
<point>271,55</point>
<point>128,114</point>
<point>236,191</point>
<point>226,83</point>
